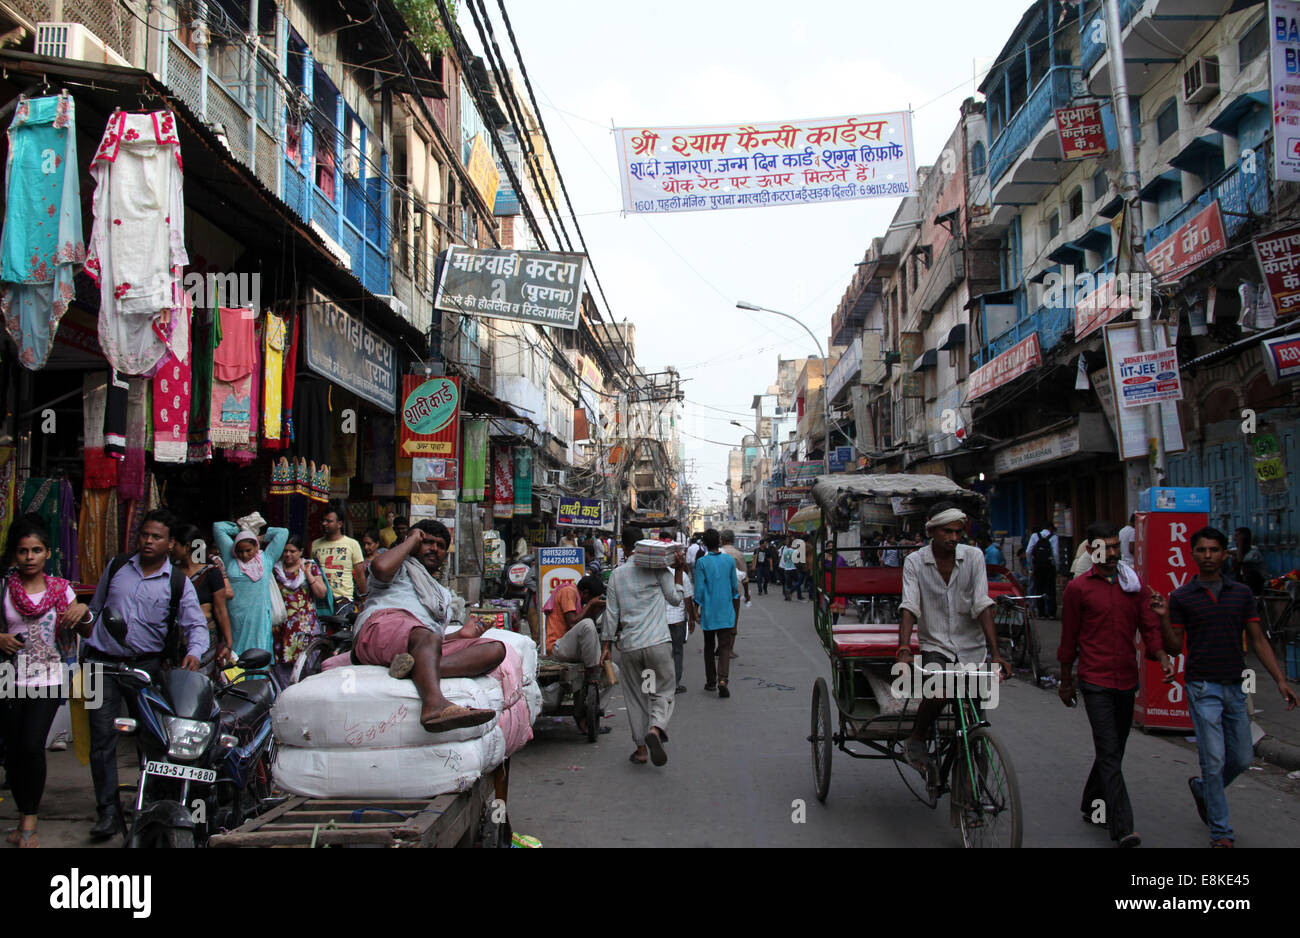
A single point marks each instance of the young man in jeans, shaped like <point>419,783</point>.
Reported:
<point>1214,613</point>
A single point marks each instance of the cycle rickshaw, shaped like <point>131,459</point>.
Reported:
<point>872,721</point>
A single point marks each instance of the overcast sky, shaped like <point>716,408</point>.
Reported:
<point>677,277</point>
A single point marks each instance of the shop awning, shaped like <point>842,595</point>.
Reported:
<point>1151,191</point>
<point>1094,239</point>
<point>1068,253</point>
<point>928,360</point>
<point>1240,106</point>
<point>956,337</point>
<point>1191,157</point>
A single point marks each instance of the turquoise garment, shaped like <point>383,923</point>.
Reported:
<point>42,247</point>
<point>250,610</point>
<point>716,587</point>
<point>993,555</point>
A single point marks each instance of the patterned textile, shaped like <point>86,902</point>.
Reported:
<point>131,474</point>
<point>101,469</point>
<point>42,246</point>
<point>171,408</point>
<point>137,242</point>
<point>95,547</point>
<point>8,480</point>
<point>232,397</point>
<point>290,639</point>
<point>243,454</point>
<point>200,443</point>
<point>274,380</point>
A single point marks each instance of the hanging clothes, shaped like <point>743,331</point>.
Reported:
<point>98,526</point>
<point>131,474</point>
<point>100,468</point>
<point>8,488</point>
<point>171,408</point>
<point>244,453</point>
<point>312,439</point>
<point>343,445</point>
<point>42,246</point>
<point>273,384</point>
<point>475,461</point>
<point>204,344</point>
<point>137,241</point>
<point>115,415</point>
<point>233,364</point>
<point>294,327</point>
<point>41,497</point>
<point>67,533</point>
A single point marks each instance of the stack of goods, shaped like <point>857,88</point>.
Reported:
<point>657,554</point>
<point>354,732</point>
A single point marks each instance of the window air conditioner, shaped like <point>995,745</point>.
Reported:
<point>74,41</point>
<point>1201,80</point>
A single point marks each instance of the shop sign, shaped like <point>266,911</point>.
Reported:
<point>589,373</point>
<point>503,484</point>
<point>430,408</point>
<point>1278,255</point>
<point>347,353</point>
<point>1022,357</point>
<point>1081,131</point>
<point>1194,243</point>
<point>483,171</point>
<point>1284,64</point>
<point>1110,298</point>
<point>580,512</point>
<point>1038,450</point>
<point>1122,341</point>
<point>1149,378</point>
<point>1270,469</point>
<point>1281,358</point>
<point>841,458</point>
<point>526,286</point>
<point>557,567</point>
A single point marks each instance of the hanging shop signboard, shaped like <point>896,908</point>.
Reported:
<point>580,512</point>
<point>430,408</point>
<point>1284,63</point>
<point>1270,466</point>
<point>344,351</point>
<point>1196,241</point>
<point>557,567</point>
<point>503,483</point>
<point>799,162</point>
<point>1022,357</point>
<point>1149,378</point>
<point>1122,341</point>
<point>1278,255</point>
<point>1081,131</point>
<point>1281,358</point>
<point>526,286</point>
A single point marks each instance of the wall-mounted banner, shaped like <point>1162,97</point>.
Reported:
<point>503,483</point>
<point>1284,63</point>
<point>527,286</point>
<point>1195,242</point>
<point>1122,341</point>
<point>1149,378</point>
<point>580,512</point>
<point>841,459</point>
<point>1081,131</point>
<point>428,425</point>
<point>1281,358</point>
<point>1279,261</point>
<point>836,159</point>
<point>523,481</point>
<point>1011,364</point>
<point>344,351</point>
<point>475,457</point>
<point>483,171</point>
<point>556,567</point>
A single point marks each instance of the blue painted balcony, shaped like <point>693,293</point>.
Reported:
<point>1050,324</point>
<point>1052,91</point>
<point>1092,38</point>
<point>1240,194</point>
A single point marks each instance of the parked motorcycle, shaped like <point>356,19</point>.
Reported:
<point>206,750</point>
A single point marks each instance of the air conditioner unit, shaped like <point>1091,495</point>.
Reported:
<point>556,477</point>
<point>395,305</point>
<point>1201,80</point>
<point>74,41</point>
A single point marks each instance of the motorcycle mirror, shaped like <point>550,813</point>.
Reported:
<point>114,624</point>
<point>254,659</point>
<point>134,678</point>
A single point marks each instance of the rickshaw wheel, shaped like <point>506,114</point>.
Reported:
<point>593,712</point>
<point>821,738</point>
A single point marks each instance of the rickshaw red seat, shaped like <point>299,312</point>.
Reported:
<point>854,640</point>
<point>866,581</point>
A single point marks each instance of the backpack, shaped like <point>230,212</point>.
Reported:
<point>171,652</point>
<point>1042,555</point>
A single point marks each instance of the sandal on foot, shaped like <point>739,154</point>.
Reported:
<point>633,758</point>
<point>455,717</point>
<point>401,665</point>
<point>658,755</point>
<point>24,838</point>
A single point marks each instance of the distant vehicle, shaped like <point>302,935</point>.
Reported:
<point>748,534</point>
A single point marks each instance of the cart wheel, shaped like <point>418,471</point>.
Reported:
<point>986,794</point>
<point>593,713</point>
<point>821,738</point>
<point>1031,650</point>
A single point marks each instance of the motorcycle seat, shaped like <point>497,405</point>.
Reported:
<point>245,702</point>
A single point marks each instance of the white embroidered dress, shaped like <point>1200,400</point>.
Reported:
<point>137,243</point>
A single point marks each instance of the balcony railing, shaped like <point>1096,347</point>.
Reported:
<point>1052,91</point>
<point>1240,194</point>
<point>1092,41</point>
<point>1050,323</point>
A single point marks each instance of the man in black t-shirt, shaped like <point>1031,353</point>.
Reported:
<point>1214,614</point>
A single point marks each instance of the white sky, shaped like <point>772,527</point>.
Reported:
<point>677,277</point>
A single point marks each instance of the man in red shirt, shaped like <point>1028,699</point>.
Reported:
<point>1101,611</point>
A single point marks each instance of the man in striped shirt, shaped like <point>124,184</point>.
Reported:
<point>1214,614</point>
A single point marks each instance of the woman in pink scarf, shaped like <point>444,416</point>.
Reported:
<point>39,613</point>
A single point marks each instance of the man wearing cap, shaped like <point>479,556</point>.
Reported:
<point>946,595</point>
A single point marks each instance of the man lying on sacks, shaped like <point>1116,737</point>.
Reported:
<point>402,625</point>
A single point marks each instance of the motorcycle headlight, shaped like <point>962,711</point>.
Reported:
<point>186,739</point>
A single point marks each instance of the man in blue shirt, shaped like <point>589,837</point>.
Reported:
<point>993,552</point>
<point>140,592</point>
<point>717,592</point>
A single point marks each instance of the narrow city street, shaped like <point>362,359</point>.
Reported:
<point>738,769</point>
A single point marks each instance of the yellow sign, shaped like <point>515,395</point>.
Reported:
<point>483,171</point>
<point>589,373</point>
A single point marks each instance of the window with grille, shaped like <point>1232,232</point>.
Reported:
<point>1076,203</point>
<point>1166,121</point>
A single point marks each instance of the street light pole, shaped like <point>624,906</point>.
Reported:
<point>826,401</point>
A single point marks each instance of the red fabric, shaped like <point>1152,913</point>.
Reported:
<point>236,356</point>
<point>1098,624</point>
<point>101,470</point>
<point>286,398</point>
<point>869,641</point>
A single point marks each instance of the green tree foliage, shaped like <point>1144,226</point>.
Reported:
<point>427,31</point>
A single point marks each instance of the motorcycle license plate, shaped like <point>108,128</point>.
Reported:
<point>190,773</point>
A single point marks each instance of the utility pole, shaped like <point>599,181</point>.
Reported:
<point>1133,228</point>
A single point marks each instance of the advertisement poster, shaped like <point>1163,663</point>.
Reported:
<point>1278,255</point>
<point>1270,468</point>
<point>798,162</point>
<point>1281,358</point>
<point>1081,132</point>
<point>429,424</point>
<point>526,286</point>
<point>1284,64</point>
<point>1121,340</point>
<point>523,481</point>
<point>503,483</point>
<point>557,567</point>
<point>579,512</point>
<point>433,492</point>
<point>1149,378</point>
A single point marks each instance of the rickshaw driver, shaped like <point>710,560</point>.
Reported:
<point>945,590</point>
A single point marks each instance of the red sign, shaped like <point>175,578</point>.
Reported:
<point>503,483</point>
<point>1011,364</point>
<point>433,404</point>
<point>1194,243</point>
<point>1081,132</point>
<point>1281,358</point>
<point>1279,260</point>
<point>1162,555</point>
<point>1103,304</point>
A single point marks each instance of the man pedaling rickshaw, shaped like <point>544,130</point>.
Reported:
<point>945,594</point>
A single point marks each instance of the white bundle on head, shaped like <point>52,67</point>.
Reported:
<point>948,516</point>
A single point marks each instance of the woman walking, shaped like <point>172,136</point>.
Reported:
<point>301,584</point>
<point>249,571</point>
<point>39,613</point>
<point>211,585</point>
